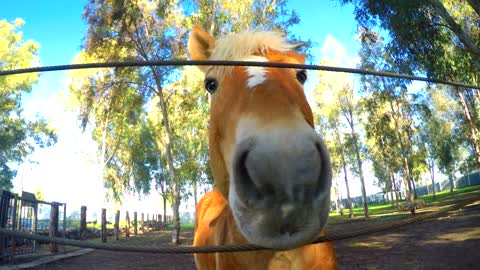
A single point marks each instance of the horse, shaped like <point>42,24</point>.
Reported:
<point>272,171</point>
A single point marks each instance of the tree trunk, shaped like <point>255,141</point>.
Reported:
<point>410,195</point>
<point>392,176</point>
<point>339,199</point>
<point>344,167</point>
<point>471,126</point>
<point>103,151</point>
<point>360,171</point>
<point>414,189</point>
<point>475,4</point>
<point>463,36</point>
<point>384,155</point>
<point>350,207</point>
<point>391,197</point>
<point>450,179</point>
<point>195,192</point>
<point>432,176</point>
<point>212,27</point>
<point>348,114</point>
<point>168,147</point>
<point>391,187</point>
<point>408,177</point>
<point>164,210</point>
<point>337,206</point>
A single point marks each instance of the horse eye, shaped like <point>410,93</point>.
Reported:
<point>302,76</point>
<point>211,85</point>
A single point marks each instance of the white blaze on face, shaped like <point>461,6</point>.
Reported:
<point>256,75</point>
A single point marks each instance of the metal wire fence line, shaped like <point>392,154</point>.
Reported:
<point>231,248</point>
<point>233,63</point>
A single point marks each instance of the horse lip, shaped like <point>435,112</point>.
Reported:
<point>264,226</point>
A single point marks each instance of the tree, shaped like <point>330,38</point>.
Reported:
<point>437,37</point>
<point>335,97</point>
<point>134,30</point>
<point>343,164</point>
<point>18,135</point>
<point>389,101</point>
<point>381,142</point>
<point>439,134</point>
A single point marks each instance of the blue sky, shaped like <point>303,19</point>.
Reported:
<point>65,171</point>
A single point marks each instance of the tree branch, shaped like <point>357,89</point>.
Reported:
<point>475,4</point>
<point>457,29</point>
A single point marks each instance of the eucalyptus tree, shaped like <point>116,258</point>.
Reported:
<point>382,142</point>
<point>326,127</point>
<point>114,101</point>
<point>439,38</point>
<point>336,102</point>
<point>395,101</point>
<point>440,132</point>
<point>18,135</point>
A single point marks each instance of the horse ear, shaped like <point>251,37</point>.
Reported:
<point>200,44</point>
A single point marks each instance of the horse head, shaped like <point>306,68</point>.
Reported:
<point>265,154</point>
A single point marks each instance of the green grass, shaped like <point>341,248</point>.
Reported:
<point>385,211</point>
<point>446,195</point>
<point>98,226</point>
<point>377,209</point>
<point>189,226</point>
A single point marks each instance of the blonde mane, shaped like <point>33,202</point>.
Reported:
<point>240,46</point>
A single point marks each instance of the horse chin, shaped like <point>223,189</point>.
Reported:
<point>264,225</point>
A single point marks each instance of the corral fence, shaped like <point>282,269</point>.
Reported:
<point>112,226</point>
<point>24,213</point>
<point>27,214</point>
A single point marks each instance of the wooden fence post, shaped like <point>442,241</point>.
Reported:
<point>161,225</point>
<point>135,228</point>
<point>148,222</point>
<point>53,226</point>
<point>83,222</point>
<point>154,223</point>
<point>143,224</point>
<point>127,229</point>
<point>104,225</point>
<point>117,225</point>
<point>4,205</point>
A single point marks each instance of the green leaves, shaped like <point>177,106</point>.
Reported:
<point>18,136</point>
<point>440,38</point>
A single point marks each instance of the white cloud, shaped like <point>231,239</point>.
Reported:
<point>335,51</point>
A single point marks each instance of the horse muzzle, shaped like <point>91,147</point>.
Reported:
<point>280,187</point>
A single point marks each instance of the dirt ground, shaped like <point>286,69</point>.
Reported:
<point>451,241</point>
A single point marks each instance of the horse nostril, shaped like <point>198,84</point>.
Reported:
<point>322,181</point>
<point>242,166</point>
<point>243,180</point>
<point>319,149</point>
